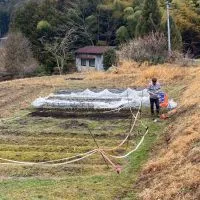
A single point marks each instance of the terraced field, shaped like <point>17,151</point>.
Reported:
<point>36,139</point>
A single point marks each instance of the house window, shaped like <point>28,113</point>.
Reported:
<point>83,62</point>
<point>92,62</point>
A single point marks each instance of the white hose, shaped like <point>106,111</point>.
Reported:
<point>136,148</point>
<point>46,163</point>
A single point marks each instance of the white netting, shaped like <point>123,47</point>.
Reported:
<point>105,99</point>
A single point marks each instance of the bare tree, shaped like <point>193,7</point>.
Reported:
<point>151,48</point>
<point>60,48</point>
<point>18,55</point>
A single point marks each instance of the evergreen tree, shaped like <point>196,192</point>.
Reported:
<point>110,58</point>
<point>102,22</point>
<point>150,19</point>
<point>188,21</point>
<point>132,21</point>
<point>137,3</point>
<point>122,35</point>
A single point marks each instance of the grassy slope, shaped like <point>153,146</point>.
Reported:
<point>36,139</point>
<point>175,166</point>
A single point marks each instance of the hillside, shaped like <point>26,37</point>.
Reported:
<point>171,147</point>
<point>175,166</point>
<point>101,23</point>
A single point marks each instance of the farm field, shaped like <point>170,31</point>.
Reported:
<point>41,139</point>
<point>26,137</point>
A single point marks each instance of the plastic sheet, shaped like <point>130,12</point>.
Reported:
<point>105,99</point>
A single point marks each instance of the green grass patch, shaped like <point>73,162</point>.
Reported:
<point>38,139</point>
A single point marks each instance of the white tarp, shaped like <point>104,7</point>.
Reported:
<point>105,99</point>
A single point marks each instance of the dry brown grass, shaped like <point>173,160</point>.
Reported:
<point>18,94</point>
<point>174,173</point>
<point>136,76</point>
<point>192,94</point>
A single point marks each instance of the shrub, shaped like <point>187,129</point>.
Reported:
<point>41,71</point>
<point>151,48</point>
<point>110,58</point>
<point>43,26</point>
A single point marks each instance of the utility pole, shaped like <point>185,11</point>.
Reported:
<point>169,29</point>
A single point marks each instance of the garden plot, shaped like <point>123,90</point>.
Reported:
<point>37,139</point>
<point>29,138</point>
<point>96,99</point>
<point>40,139</point>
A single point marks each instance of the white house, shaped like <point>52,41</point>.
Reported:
<point>90,57</point>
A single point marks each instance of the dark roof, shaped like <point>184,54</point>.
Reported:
<point>93,49</point>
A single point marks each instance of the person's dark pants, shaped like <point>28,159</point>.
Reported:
<point>156,102</point>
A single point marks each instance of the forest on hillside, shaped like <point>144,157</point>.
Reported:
<point>99,22</point>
